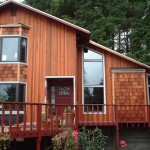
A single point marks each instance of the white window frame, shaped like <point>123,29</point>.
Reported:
<point>15,62</point>
<point>63,77</point>
<point>104,84</point>
<point>11,82</point>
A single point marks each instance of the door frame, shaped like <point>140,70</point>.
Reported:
<point>65,77</point>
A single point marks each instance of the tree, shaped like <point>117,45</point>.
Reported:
<point>122,25</point>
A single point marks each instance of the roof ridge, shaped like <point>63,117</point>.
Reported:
<point>47,15</point>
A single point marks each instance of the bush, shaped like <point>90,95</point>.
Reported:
<point>91,139</point>
<point>64,141</point>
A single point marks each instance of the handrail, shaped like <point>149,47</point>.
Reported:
<point>40,119</point>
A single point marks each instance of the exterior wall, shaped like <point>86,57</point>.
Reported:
<point>113,61</point>
<point>13,72</point>
<point>51,48</point>
<point>14,31</point>
<point>136,138</point>
<point>129,88</point>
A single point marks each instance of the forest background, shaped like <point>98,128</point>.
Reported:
<point>122,25</point>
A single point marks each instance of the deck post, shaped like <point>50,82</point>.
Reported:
<point>39,117</point>
<point>117,128</point>
<point>117,137</point>
<point>76,117</point>
<point>38,143</point>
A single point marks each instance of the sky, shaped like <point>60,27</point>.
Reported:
<point>14,0</point>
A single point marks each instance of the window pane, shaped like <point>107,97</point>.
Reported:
<point>92,55</point>
<point>9,49</point>
<point>21,92</point>
<point>93,95</point>
<point>63,91</point>
<point>149,80</point>
<point>93,73</point>
<point>23,50</point>
<point>8,92</point>
<point>149,94</point>
<point>12,92</point>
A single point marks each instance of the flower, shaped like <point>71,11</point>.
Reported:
<point>75,135</point>
<point>66,140</point>
<point>123,144</point>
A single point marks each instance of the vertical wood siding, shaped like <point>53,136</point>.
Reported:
<point>51,49</point>
<point>111,61</point>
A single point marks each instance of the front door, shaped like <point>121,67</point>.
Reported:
<point>60,91</point>
<point>64,92</point>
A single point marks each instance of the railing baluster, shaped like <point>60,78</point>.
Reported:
<point>31,117</point>
<point>10,117</point>
<point>88,114</point>
<point>24,116</point>
<point>3,116</point>
<point>17,117</point>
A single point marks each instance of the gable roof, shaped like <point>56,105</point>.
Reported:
<point>118,54</point>
<point>77,28</point>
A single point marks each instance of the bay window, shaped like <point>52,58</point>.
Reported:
<point>12,92</point>
<point>13,49</point>
<point>93,80</point>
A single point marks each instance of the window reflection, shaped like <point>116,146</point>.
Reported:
<point>94,95</point>
<point>13,49</point>
<point>93,73</point>
<point>8,92</point>
<point>12,92</point>
<point>23,50</point>
<point>92,55</point>
<point>10,49</point>
<point>148,79</point>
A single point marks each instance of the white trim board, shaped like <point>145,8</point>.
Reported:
<point>65,77</point>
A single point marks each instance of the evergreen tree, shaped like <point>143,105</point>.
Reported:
<point>122,25</point>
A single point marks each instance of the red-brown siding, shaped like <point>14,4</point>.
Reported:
<point>51,48</point>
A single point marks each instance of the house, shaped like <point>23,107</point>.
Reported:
<point>48,64</point>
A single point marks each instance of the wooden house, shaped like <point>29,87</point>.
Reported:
<point>48,64</point>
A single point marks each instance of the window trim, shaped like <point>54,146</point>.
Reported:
<point>18,61</point>
<point>64,77</point>
<point>17,82</point>
<point>148,86</point>
<point>104,82</point>
<point>14,112</point>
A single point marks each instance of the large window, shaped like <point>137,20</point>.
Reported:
<point>13,49</point>
<point>93,78</point>
<point>12,92</point>
<point>148,83</point>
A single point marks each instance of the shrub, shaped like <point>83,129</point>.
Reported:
<point>91,139</point>
<point>65,141</point>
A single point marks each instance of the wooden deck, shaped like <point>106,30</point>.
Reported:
<point>23,120</point>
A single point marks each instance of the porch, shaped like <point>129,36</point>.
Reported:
<point>24,120</point>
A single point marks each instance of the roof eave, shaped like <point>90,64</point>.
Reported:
<point>119,54</point>
<point>79,29</point>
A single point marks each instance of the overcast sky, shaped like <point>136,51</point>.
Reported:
<point>14,0</point>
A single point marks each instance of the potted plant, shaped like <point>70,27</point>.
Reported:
<point>68,115</point>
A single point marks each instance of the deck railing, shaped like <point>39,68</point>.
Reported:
<point>32,119</point>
